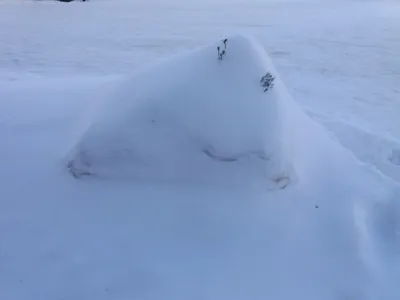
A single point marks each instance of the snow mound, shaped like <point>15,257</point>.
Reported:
<point>204,115</point>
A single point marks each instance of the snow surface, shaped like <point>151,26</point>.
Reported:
<point>339,65</point>
<point>332,234</point>
<point>193,116</point>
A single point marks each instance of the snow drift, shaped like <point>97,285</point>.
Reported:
<point>196,116</point>
<point>332,235</point>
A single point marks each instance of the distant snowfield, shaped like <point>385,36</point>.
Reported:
<point>333,235</point>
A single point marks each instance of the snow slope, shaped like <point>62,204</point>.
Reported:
<point>333,234</point>
<point>194,116</point>
<point>336,64</point>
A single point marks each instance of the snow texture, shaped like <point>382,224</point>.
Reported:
<point>332,233</point>
<point>193,116</point>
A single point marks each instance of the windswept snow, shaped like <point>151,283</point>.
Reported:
<point>333,62</point>
<point>331,234</point>
<point>193,116</point>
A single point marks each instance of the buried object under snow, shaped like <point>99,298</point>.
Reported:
<point>193,118</point>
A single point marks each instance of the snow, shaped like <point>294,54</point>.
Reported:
<point>395,157</point>
<point>333,233</point>
<point>189,117</point>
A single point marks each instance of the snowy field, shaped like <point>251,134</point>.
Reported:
<point>332,233</point>
<point>342,66</point>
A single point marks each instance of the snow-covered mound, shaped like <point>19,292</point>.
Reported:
<point>196,116</point>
